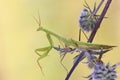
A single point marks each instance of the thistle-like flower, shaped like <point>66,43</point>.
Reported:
<point>104,72</point>
<point>87,20</point>
<point>92,59</point>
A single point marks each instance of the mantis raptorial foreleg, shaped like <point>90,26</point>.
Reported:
<point>45,51</point>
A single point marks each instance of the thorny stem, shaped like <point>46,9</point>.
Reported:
<point>90,38</point>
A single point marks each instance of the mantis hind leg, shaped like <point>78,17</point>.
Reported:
<point>45,51</point>
<point>63,53</point>
<point>61,62</point>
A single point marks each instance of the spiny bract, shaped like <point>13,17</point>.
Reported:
<point>104,72</point>
<point>87,20</point>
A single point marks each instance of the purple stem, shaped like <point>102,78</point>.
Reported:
<point>90,38</point>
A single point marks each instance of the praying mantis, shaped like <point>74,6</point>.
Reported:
<point>69,42</point>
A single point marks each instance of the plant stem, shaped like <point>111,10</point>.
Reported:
<point>99,21</point>
<point>90,38</point>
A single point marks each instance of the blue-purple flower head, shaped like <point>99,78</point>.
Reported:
<point>100,70</point>
<point>104,72</point>
<point>91,60</point>
<point>87,21</point>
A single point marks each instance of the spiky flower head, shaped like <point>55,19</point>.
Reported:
<point>87,20</point>
<point>91,59</point>
<point>104,72</point>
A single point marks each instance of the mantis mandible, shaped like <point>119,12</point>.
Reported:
<point>69,42</point>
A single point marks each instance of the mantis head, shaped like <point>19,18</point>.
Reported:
<point>40,28</point>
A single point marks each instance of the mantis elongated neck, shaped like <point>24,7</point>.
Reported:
<point>53,34</point>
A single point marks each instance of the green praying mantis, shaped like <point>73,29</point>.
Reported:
<point>71,45</point>
<point>69,42</point>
